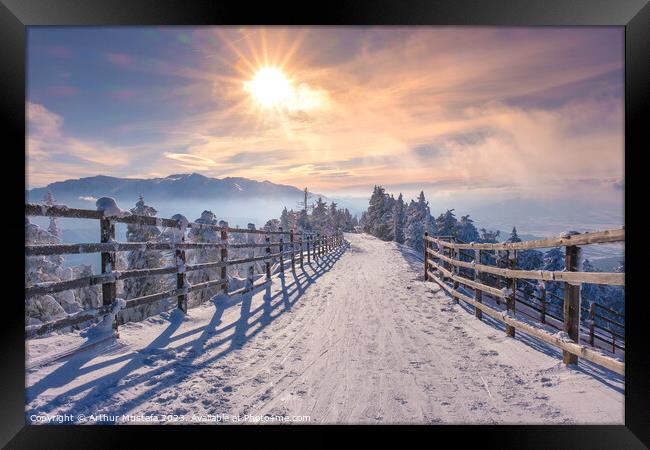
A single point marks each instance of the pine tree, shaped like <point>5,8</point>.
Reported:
<point>319,216</point>
<point>143,259</point>
<point>53,228</point>
<point>204,255</point>
<point>446,224</point>
<point>39,269</point>
<point>399,220</point>
<point>379,214</point>
<point>284,219</point>
<point>272,225</point>
<point>514,237</point>
<point>466,231</point>
<point>417,221</point>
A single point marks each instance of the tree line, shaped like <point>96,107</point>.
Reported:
<point>393,219</point>
<point>323,219</point>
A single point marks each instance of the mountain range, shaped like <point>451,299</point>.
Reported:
<point>173,187</point>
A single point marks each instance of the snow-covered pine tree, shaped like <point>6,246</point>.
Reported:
<point>303,223</point>
<point>466,231</point>
<point>379,214</point>
<point>417,219</point>
<point>284,219</point>
<point>354,223</point>
<point>204,255</point>
<point>399,220</point>
<point>142,259</point>
<point>514,237</point>
<point>332,217</point>
<point>319,216</point>
<point>446,224</point>
<point>53,228</point>
<point>40,269</point>
<point>272,225</point>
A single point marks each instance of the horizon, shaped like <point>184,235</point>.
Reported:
<point>463,112</point>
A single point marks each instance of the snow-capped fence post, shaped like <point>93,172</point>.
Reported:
<point>308,248</point>
<point>181,277</point>
<point>293,251</point>
<point>281,251</point>
<point>301,249</point>
<point>512,290</point>
<point>571,303</point>
<point>224,255</point>
<point>107,234</point>
<point>478,295</point>
<point>317,247</point>
<point>426,256</point>
<point>267,238</point>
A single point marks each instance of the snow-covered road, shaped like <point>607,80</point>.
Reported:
<point>359,338</point>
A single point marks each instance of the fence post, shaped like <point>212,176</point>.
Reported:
<point>542,300</point>
<point>478,295</point>
<point>224,256</point>
<point>267,238</point>
<point>571,304</point>
<point>293,251</point>
<point>426,255</point>
<point>281,252</point>
<point>107,233</point>
<point>302,237</point>
<point>455,254</point>
<point>510,300</point>
<point>592,323</point>
<point>180,271</point>
<point>308,249</point>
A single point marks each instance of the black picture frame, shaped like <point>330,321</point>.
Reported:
<point>16,15</point>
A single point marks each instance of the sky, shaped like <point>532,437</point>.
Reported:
<point>462,112</point>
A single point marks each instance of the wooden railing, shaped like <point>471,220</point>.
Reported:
<point>442,263</point>
<point>298,247</point>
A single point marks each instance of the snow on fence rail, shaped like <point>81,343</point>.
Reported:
<point>442,263</point>
<point>299,246</point>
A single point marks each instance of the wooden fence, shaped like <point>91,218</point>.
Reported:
<point>296,249</point>
<point>442,263</point>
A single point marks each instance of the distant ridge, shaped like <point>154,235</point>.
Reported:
<point>173,187</point>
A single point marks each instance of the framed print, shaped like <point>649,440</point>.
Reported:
<point>381,214</point>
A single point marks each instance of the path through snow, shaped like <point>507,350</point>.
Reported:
<point>359,338</point>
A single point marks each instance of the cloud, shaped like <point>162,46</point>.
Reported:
<point>53,154</point>
<point>260,157</point>
<point>191,161</point>
<point>517,111</point>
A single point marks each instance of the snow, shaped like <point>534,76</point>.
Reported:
<point>355,338</point>
<point>109,207</point>
<point>105,326</point>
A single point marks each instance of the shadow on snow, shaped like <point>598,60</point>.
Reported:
<point>91,396</point>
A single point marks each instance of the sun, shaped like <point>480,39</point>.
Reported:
<point>269,87</point>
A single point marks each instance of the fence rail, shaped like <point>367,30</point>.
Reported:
<point>299,246</point>
<point>442,264</point>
